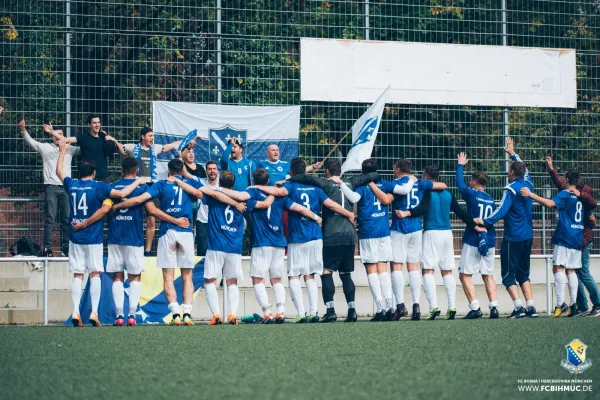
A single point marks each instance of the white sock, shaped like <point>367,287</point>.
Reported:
<point>429,288</point>
<point>450,285</point>
<point>517,304</point>
<point>119,296</point>
<point>474,305</point>
<point>398,286</point>
<point>174,308</point>
<point>493,304</point>
<point>376,290</point>
<point>529,303</point>
<point>415,281</point>
<point>279,292</point>
<point>187,308</point>
<point>76,293</point>
<point>233,297</point>
<point>560,280</point>
<point>296,293</point>
<point>95,290</point>
<point>386,290</point>
<point>260,292</point>
<point>212,298</point>
<point>135,289</point>
<point>573,284</point>
<point>313,296</point>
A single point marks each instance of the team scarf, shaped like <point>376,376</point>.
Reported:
<point>137,154</point>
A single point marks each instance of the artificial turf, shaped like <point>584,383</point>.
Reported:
<point>439,359</point>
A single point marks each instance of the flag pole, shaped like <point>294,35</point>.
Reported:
<point>334,147</point>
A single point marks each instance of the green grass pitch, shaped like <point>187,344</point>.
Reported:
<point>439,359</point>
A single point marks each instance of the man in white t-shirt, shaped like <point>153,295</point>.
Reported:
<point>212,181</point>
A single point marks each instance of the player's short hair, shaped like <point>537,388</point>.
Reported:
<point>518,168</point>
<point>144,131</point>
<point>175,166</point>
<point>91,117</point>
<point>227,179</point>
<point>298,167</point>
<point>211,162</point>
<point>404,165</point>
<point>432,171</point>
<point>260,176</point>
<point>129,165</point>
<point>369,165</point>
<point>334,167</point>
<point>572,177</point>
<point>480,177</point>
<point>86,168</point>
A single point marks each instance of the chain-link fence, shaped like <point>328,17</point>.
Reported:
<point>62,60</point>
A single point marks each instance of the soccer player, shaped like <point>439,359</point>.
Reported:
<point>175,244</point>
<point>339,238</point>
<point>126,241</point>
<point>477,257</point>
<point>583,274</point>
<point>212,181</point>
<point>406,234</point>
<point>279,170</point>
<point>268,244</point>
<point>567,240</point>
<point>438,242</point>
<point>225,236</point>
<point>374,236</point>
<point>515,253</point>
<point>85,247</point>
<point>305,248</point>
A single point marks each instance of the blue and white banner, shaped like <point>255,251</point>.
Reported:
<point>255,127</point>
<point>364,133</point>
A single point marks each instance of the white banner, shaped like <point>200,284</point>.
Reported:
<point>364,133</point>
<point>255,127</point>
<point>434,73</point>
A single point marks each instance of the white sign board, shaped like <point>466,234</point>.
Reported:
<point>428,73</point>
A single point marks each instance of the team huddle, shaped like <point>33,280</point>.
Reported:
<point>321,237</point>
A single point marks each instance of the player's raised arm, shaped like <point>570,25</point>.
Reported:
<point>305,212</point>
<point>335,207</point>
<point>97,216</point>
<point>58,134</point>
<point>384,198</point>
<point>134,201</point>
<point>182,222</point>
<point>525,192</point>
<point>223,161</point>
<point>272,190</point>
<point>460,179</point>
<point>64,148</point>
<point>126,191</point>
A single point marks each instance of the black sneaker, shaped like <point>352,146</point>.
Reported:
<point>494,314</point>
<point>147,253</point>
<point>47,252</point>
<point>329,316</point>
<point>520,313</point>
<point>352,317</point>
<point>64,252</point>
<point>379,317</point>
<point>389,315</point>
<point>531,312</point>
<point>595,312</point>
<point>313,319</point>
<point>474,314</point>
<point>416,313</point>
<point>574,311</point>
<point>401,311</point>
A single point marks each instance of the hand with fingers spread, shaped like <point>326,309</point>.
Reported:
<point>241,207</point>
<point>510,146</point>
<point>183,222</point>
<point>462,159</point>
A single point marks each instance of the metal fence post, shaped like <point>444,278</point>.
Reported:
<point>46,291</point>
<point>548,259</point>
<point>367,32</point>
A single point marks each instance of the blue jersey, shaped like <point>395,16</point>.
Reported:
<point>242,169</point>
<point>438,215</point>
<point>373,218</point>
<point>267,228</point>
<point>174,202</point>
<point>515,209</point>
<point>408,202</point>
<point>479,205</point>
<point>278,171</point>
<point>300,228</point>
<point>569,229</point>
<point>85,198</point>
<point>225,225</point>
<point>126,226</point>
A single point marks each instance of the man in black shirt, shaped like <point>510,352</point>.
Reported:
<point>339,238</point>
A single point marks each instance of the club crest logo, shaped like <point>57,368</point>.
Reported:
<point>576,361</point>
<point>366,133</point>
<point>218,139</point>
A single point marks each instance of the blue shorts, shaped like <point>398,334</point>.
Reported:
<point>515,260</point>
